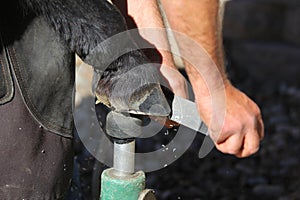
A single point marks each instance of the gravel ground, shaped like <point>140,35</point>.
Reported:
<point>272,173</point>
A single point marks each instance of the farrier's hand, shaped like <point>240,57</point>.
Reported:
<point>241,129</point>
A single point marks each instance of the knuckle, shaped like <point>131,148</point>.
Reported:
<point>233,150</point>
<point>229,148</point>
<point>253,150</point>
<point>250,150</point>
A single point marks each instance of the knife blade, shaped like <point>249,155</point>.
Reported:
<point>185,112</point>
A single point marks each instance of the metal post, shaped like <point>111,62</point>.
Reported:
<point>124,158</point>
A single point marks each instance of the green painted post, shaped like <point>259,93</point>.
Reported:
<point>127,187</point>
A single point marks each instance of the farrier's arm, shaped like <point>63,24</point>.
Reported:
<point>240,130</point>
<point>146,14</point>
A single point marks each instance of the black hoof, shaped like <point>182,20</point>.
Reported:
<point>136,91</point>
<point>149,100</point>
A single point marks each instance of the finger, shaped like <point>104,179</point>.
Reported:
<point>260,128</point>
<point>233,127</point>
<point>232,145</point>
<point>251,144</point>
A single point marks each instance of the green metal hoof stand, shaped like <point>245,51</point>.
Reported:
<point>128,187</point>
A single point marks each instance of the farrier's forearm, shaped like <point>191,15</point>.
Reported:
<point>200,21</point>
<point>146,15</point>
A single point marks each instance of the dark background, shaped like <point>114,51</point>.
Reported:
<point>262,48</point>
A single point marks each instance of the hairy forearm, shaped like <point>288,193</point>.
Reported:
<point>200,21</point>
<point>146,15</point>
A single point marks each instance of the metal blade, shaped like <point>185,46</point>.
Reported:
<point>185,112</point>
